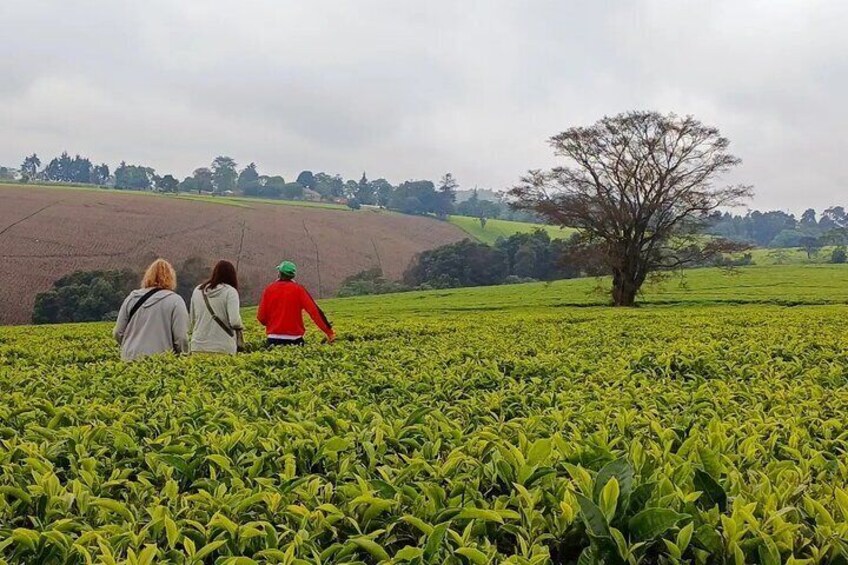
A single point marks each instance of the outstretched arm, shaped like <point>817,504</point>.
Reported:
<point>317,315</point>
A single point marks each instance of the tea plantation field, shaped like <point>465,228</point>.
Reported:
<point>524,424</point>
<point>504,228</point>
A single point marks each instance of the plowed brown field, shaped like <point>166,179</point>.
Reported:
<point>46,233</point>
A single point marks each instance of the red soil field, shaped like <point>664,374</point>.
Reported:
<point>46,233</point>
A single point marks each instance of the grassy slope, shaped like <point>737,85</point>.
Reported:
<point>779,285</point>
<point>786,285</point>
<point>739,290</point>
<point>790,256</point>
<point>502,228</point>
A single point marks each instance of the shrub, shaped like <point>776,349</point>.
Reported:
<point>370,281</point>
<point>839,255</point>
<point>522,256</point>
<point>731,261</point>
<point>84,296</point>
<point>466,263</point>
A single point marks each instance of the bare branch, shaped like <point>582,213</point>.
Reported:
<point>637,184</point>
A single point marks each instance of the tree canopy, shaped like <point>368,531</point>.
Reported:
<point>84,296</point>
<point>224,174</point>
<point>639,187</point>
<point>133,177</point>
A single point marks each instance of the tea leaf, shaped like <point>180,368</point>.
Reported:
<point>652,522</point>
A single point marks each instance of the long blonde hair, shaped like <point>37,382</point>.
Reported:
<point>160,274</point>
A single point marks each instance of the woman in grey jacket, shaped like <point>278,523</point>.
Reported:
<point>215,315</point>
<point>153,319</point>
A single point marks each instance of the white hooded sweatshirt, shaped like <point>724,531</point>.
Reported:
<point>206,335</point>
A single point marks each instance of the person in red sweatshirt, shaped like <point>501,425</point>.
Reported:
<point>281,310</point>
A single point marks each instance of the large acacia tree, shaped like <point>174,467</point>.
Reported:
<point>639,188</point>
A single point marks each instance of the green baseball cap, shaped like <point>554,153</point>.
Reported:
<point>287,268</point>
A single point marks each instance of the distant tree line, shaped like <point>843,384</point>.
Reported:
<point>224,177</point>
<point>64,168</point>
<point>779,229</point>
<point>775,229</point>
<point>486,204</point>
<point>811,233</point>
<point>521,257</point>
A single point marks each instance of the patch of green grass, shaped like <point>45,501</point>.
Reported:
<point>769,284</point>
<point>503,228</point>
<point>209,200</point>
<point>790,256</point>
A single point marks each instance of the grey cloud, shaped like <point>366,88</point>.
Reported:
<point>411,90</point>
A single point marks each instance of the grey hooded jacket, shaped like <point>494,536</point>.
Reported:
<point>206,335</point>
<point>159,326</point>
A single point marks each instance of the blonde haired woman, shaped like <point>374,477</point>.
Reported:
<point>153,319</point>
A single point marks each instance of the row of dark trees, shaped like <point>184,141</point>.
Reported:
<point>518,258</point>
<point>528,257</point>
<point>65,168</point>
<point>779,229</point>
<point>90,296</point>
<point>220,177</point>
<point>521,257</point>
<point>224,177</point>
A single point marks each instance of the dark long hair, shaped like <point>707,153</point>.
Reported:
<point>223,273</point>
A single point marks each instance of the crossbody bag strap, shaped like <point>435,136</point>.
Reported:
<point>215,317</point>
<point>141,302</point>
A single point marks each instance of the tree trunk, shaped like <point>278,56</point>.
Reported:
<point>625,286</point>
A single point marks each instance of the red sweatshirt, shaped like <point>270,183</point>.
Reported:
<point>281,311</point>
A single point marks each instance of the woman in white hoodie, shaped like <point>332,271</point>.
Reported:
<point>215,316</point>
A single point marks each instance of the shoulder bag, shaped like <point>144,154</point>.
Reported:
<point>230,331</point>
<point>141,302</point>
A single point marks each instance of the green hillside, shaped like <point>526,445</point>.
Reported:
<point>502,228</point>
<point>790,256</point>
<point>515,424</point>
<point>779,285</point>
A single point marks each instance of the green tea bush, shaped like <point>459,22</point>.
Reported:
<point>702,434</point>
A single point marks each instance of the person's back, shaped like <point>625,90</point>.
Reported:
<point>281,310</point>
<point>207,335</point>
<point>159,324</point>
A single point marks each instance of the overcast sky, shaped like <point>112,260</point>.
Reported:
<point>410,89</point>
